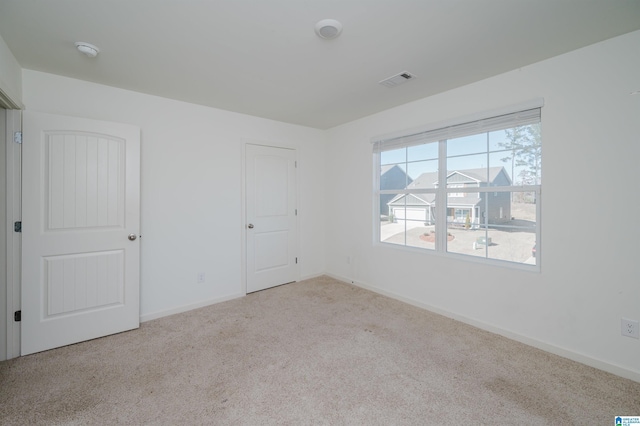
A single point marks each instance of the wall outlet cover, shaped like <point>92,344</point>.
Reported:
<point>630,328</point>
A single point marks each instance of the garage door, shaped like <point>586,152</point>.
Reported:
<point>417,214</point>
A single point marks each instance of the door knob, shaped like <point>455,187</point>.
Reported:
<point>132,237</point>
<point>250,226</point>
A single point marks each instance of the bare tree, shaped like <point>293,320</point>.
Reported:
<point>515,136</point>
<point>531,154</point>
<point>524,144</point>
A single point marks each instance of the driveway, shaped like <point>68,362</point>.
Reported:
<point>511,244</point>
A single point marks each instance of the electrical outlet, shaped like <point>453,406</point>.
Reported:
<point>629,328</point>
<point>201,277</point>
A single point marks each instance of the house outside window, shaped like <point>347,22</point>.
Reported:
<point>472,189</point>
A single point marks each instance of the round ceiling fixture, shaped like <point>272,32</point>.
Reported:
<point>87,48</point>
<point>328,29</point>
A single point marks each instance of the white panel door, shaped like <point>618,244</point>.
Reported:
<point>80,226</point>
<point>271,216</point>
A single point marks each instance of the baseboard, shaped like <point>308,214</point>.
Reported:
<point>185,308</point>
<point>556,350</point>
<point>308,277</point>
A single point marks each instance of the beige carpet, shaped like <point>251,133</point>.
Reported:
<point>313,352</point>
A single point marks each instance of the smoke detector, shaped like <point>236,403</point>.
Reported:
<point>87,48</point>
<point>397,79</point>
<point>328,29</point>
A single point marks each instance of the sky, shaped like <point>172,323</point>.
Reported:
<point>468,152</point>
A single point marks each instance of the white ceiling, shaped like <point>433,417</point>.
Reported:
<point>263,58</point>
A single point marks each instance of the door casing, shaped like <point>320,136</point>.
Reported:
<point>10,346</point>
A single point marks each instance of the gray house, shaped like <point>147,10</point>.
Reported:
<point>391,177</point>
<point>421,207</point>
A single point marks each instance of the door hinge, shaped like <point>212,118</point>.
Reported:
<point>17,137</point>
<point>296,260</point>
<point>296,212</point>
<point>295,164</point>
<point>17,316</point>
<point>17,226</point>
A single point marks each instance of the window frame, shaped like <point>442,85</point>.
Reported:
<point>444,191</point>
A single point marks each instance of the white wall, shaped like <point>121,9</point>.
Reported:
<point>10,75</point>
<point>191,203</point>
<point>590,248</point>
<point>191,186</point>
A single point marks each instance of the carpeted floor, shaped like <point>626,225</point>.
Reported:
<point>314,352</point>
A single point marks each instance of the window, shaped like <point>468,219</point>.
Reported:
<point>470,189</point>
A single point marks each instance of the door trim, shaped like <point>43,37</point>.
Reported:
<point>243,208</point>
<point>13,247</point>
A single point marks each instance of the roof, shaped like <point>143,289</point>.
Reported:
<point>429,180</point>
<point>481,174</point>
<point>384,169</point>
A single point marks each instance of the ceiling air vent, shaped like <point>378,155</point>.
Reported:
<point>397,79</point>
